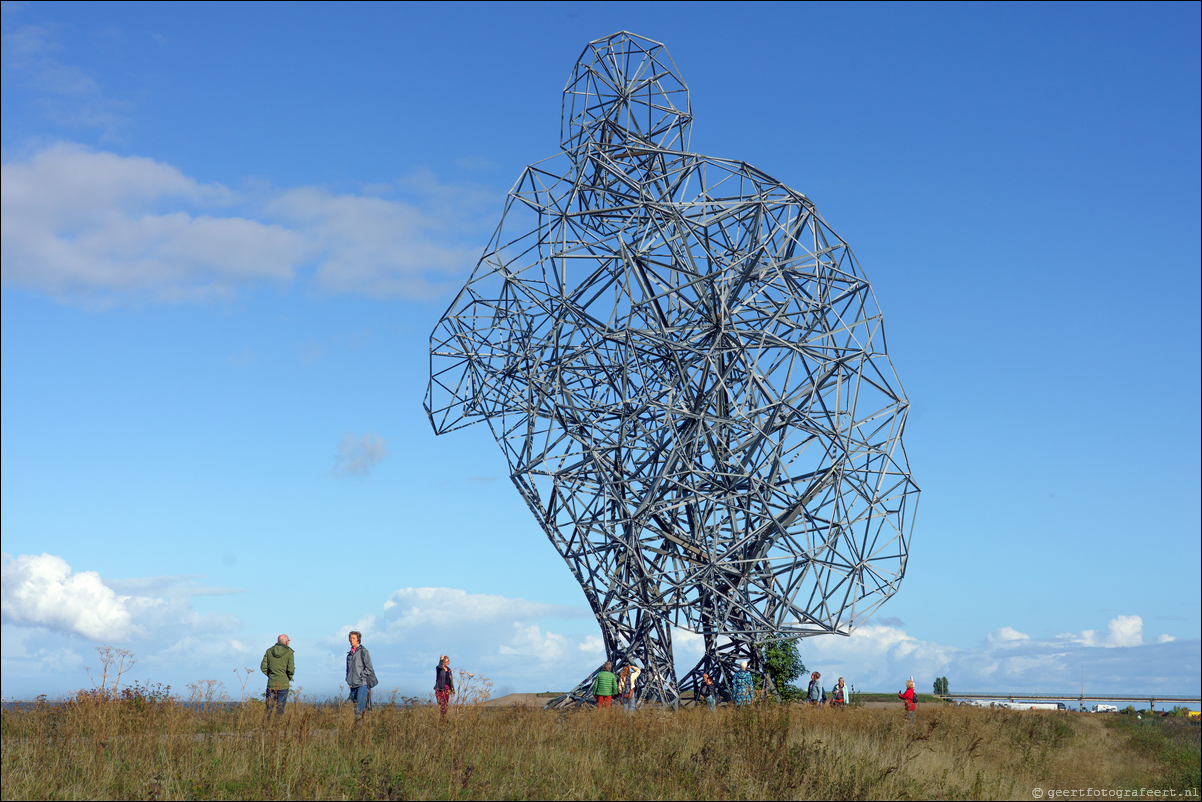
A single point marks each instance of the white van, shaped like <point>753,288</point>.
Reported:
<point>1105,709</point>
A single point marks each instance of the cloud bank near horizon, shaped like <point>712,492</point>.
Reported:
<point>54,616</point>
<point>878,656</point>
<point>41,590</point>
<point>98,228</point>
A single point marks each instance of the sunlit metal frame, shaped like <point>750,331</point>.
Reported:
<point>686,370</point>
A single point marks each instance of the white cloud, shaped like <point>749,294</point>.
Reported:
<point>688,648</point>
<point>1125,630</point>
<point>356,457</point>
<point>97,227</point>
<point>873,656</point>
<point>1007,636</point>
<point>81,224</point>
<point>525,645</point>
<point>522,645</point>
<point>594,645</point>
<point>26,654</point>
<point>372,246</point>
<point>54,617</point>
<point>530,641</point>
<point>169,587</point>
<point>516,642</point>
<point>65,94</point>
<point>41,591</point>
<point>879,657</point>
<point>201,652</point>
<point>412,608</point>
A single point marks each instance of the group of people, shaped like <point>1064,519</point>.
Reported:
<point>840,695</point>
<point>279,664</point>
<point>607,685</point>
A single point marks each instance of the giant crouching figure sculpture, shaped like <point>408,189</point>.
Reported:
<point>686,370</point>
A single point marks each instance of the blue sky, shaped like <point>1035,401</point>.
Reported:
<point>228,231</point>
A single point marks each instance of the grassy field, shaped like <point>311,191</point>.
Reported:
<point>162,750</point>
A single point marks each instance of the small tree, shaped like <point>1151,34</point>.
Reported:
<point>941,686</point>
<point>783,663</point>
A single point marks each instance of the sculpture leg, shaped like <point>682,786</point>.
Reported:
<point>639,639</point>
<point>722,660</point>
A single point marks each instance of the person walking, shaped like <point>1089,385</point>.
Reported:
<point>840,695</point>
<point>360,676</point>
<point>444,685</point>
<point>708,691</point>
<point>907,696</point>
<point>815,694</point>
<point>279,664</point>
<point>627,678</point>
<point>605,686</point>
<point>744,687</point>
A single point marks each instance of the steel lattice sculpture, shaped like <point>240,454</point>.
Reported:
<point>687,372</point>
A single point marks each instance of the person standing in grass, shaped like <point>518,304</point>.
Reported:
<point>279,665</point>
<point>744,687</point>
<point>815,695</point>
<point>605,686</point>
<point>708,691</point>
<point>907,696</point>
<point>840,695</point>
<point>626,686</point>
<point>360,676</point>
<point>444,685</point>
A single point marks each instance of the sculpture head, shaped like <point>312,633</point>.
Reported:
<point>625,90</point>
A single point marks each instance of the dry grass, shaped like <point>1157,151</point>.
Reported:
<point>162,750</point>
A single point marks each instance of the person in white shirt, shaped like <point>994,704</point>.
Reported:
<point>626,680</point>
<point>840,695</point>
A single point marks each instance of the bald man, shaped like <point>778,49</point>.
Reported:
<point>279,665</point>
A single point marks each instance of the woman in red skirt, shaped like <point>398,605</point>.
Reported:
<point>444,685</point>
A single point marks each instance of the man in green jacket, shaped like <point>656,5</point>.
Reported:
<point>605,686</point>
<point>279,666</point>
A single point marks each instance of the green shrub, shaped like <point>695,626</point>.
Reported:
<point>784,665</point>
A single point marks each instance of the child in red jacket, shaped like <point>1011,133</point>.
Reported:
<point>907,696</point>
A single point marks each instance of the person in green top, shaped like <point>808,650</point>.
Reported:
<point>279,665</point>
<point>605,686</point>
